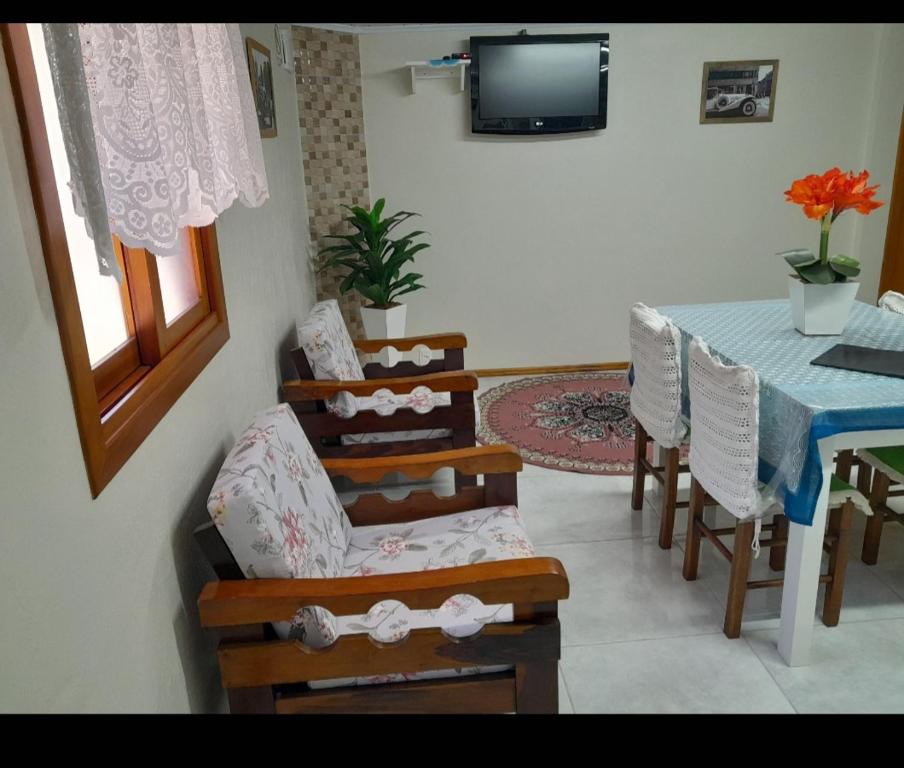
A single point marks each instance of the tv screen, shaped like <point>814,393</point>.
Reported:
<point>539,83</point>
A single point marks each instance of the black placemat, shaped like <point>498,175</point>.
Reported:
<point>884,362</point>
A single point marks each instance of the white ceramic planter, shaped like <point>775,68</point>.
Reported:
<point>821,310</point>
<point>385,324</point>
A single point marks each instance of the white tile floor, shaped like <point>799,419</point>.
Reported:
<point>637,637</point>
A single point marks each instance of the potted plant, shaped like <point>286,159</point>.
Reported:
<point>374,262</point>
<point>822,290</point>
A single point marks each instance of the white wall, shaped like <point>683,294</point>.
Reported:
<point>98,598</point>
<point>540,245</point>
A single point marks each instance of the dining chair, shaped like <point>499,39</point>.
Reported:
<point>724,458</point>
<point>656,407</point>
<point>425,604</point>
<point>893,301</point>
<point>881,469</point>
<point>887,465</point>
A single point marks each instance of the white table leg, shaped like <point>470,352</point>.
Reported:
<point>803,559</point>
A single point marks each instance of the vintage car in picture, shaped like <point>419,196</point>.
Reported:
<point>731,103</point>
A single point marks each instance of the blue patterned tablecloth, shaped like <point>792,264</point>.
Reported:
<point>799,403</point>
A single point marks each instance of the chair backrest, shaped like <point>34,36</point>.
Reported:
<point>724,453</point>
<point>277,511</point>
<point>656,391</point>
<point>892,300</point>
<point>330,352</point>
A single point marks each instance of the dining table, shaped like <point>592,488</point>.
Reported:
<point>806,414</point>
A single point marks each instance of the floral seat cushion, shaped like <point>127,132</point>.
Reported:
<point>475,536</point>
<point>331,352</point>
<point>276,509</point>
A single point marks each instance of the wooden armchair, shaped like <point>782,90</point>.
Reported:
<point>354,411</point>
<point>320,629</point>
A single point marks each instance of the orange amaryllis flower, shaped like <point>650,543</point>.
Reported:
<point>815,193</point>
<point>825,197</point>
<point>853,193</point>
<point>833,192</point>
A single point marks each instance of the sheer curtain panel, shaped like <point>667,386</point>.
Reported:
<point>160,127</point>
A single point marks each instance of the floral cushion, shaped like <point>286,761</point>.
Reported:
<point>476,536</point>
<point>420,400</point>
<point>276,509</point>
<point>331,352</point>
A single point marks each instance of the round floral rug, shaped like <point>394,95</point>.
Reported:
<point>578,422</point>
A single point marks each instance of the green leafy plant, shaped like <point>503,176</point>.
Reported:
<point>372,258</point>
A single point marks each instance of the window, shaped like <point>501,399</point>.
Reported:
<point>131,349</point>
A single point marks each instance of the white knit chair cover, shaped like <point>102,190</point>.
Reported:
<point>724,453</point>
<point>892,300</point>
<point>656,391</point>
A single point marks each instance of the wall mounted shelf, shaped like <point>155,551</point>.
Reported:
<point>424,70</point>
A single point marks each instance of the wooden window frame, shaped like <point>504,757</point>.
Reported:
<point>114,414</point>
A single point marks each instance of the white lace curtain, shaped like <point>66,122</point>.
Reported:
<point>160,129</point>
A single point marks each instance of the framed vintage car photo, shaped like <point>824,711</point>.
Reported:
<point>262,87</point>
<point>738,91</point>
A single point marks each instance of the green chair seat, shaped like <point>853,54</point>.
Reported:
<point>889,460</point>
<point>841,490</point>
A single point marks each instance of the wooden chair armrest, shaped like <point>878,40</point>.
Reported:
<point>295,390</point>
<point>432,341</point>
<point>256,601</point>
<point>479,460</point>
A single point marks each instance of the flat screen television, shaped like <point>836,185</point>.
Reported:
<point>532,84</point>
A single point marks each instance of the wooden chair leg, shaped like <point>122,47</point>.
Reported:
<point>692,544</point>
<point>537,688</point>
<point>872,536</point>
<point>669,498</point>
<point>840,520</point>
<point>737,583</point>
<point>251,701</point>
<point>843,463</point>
<point>777,552</point>
<point>864,478</point>
<point>640,473</point>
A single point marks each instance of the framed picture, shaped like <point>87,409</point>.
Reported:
<point>262,87</point>
<point>738,91</point>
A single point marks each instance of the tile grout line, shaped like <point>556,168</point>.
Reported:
<point>771,676</point>
<point>642,639</point>
<point>540,544</point>
<point>878,576</point>
<point>565,686</point>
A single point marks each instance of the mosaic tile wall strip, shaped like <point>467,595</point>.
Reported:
<point>331,115</point>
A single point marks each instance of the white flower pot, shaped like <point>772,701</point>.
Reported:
<point>385,324</point>
<point>821,310</point>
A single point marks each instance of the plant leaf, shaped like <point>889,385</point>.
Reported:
<point>845,265</point>
<point>819,273</point>
<point>394,295</point>
<point>799,257</point>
